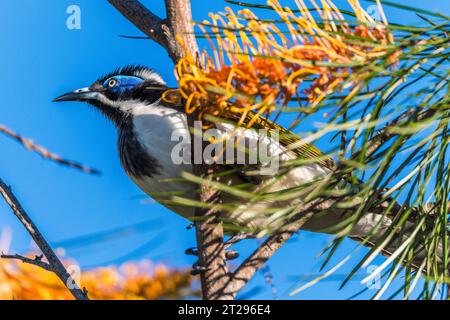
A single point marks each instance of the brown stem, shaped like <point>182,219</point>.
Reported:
<point>179,15</point>
<point>54,264</point>
<point>211,249</point>
<point>245,272</point>
<point>163,31</point>
<point>209,230</point>
<point>37,261</point>
<point>27,143</point>
<point>146,21</point>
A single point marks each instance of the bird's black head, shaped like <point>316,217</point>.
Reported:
<point>117,93</point>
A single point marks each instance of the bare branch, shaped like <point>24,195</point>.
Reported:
<point>180,23</point>
<point>209,231</point>
<point>211,248</point>
<point>30,145</point>
<point>54,263</point>
<point>37,261</point>
<point>245,272</point>
<point>163,31</point>
<point>142,18</point>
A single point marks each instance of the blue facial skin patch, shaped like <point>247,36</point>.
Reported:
<point>123,83</point>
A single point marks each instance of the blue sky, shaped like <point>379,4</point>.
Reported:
<point>42,59</point>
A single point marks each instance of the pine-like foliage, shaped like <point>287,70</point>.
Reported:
<point>379,91</point>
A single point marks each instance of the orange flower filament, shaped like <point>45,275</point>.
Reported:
<point>256,67</point>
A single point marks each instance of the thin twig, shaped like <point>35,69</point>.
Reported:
<point>30,145</point>
<point>54,263</point>
<point>149,23</point>
<point>245,272</point>
<point>37,261</point>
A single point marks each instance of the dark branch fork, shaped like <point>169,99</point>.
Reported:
<point>53,263</point>
<point>162,31</point>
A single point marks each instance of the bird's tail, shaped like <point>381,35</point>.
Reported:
<point>376,229</point>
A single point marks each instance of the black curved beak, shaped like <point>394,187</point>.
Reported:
<point>82,94</point>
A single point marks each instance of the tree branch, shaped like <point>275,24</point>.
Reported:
<point>37,261</point>
<point>162,31</point>
<point>54,264</point>
<point>211,250</point>
<point>209,230</point>
<point>245,272</point>
<point>143,19</point>
<point>179,16</point>
<point>27,143</point>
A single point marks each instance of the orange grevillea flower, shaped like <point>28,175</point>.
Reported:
<point>257,65</point>
<point>132,281</point>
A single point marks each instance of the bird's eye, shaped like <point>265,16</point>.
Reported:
<point>112,83</point>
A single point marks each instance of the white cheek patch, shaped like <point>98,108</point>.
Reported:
<point>126,106</point>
